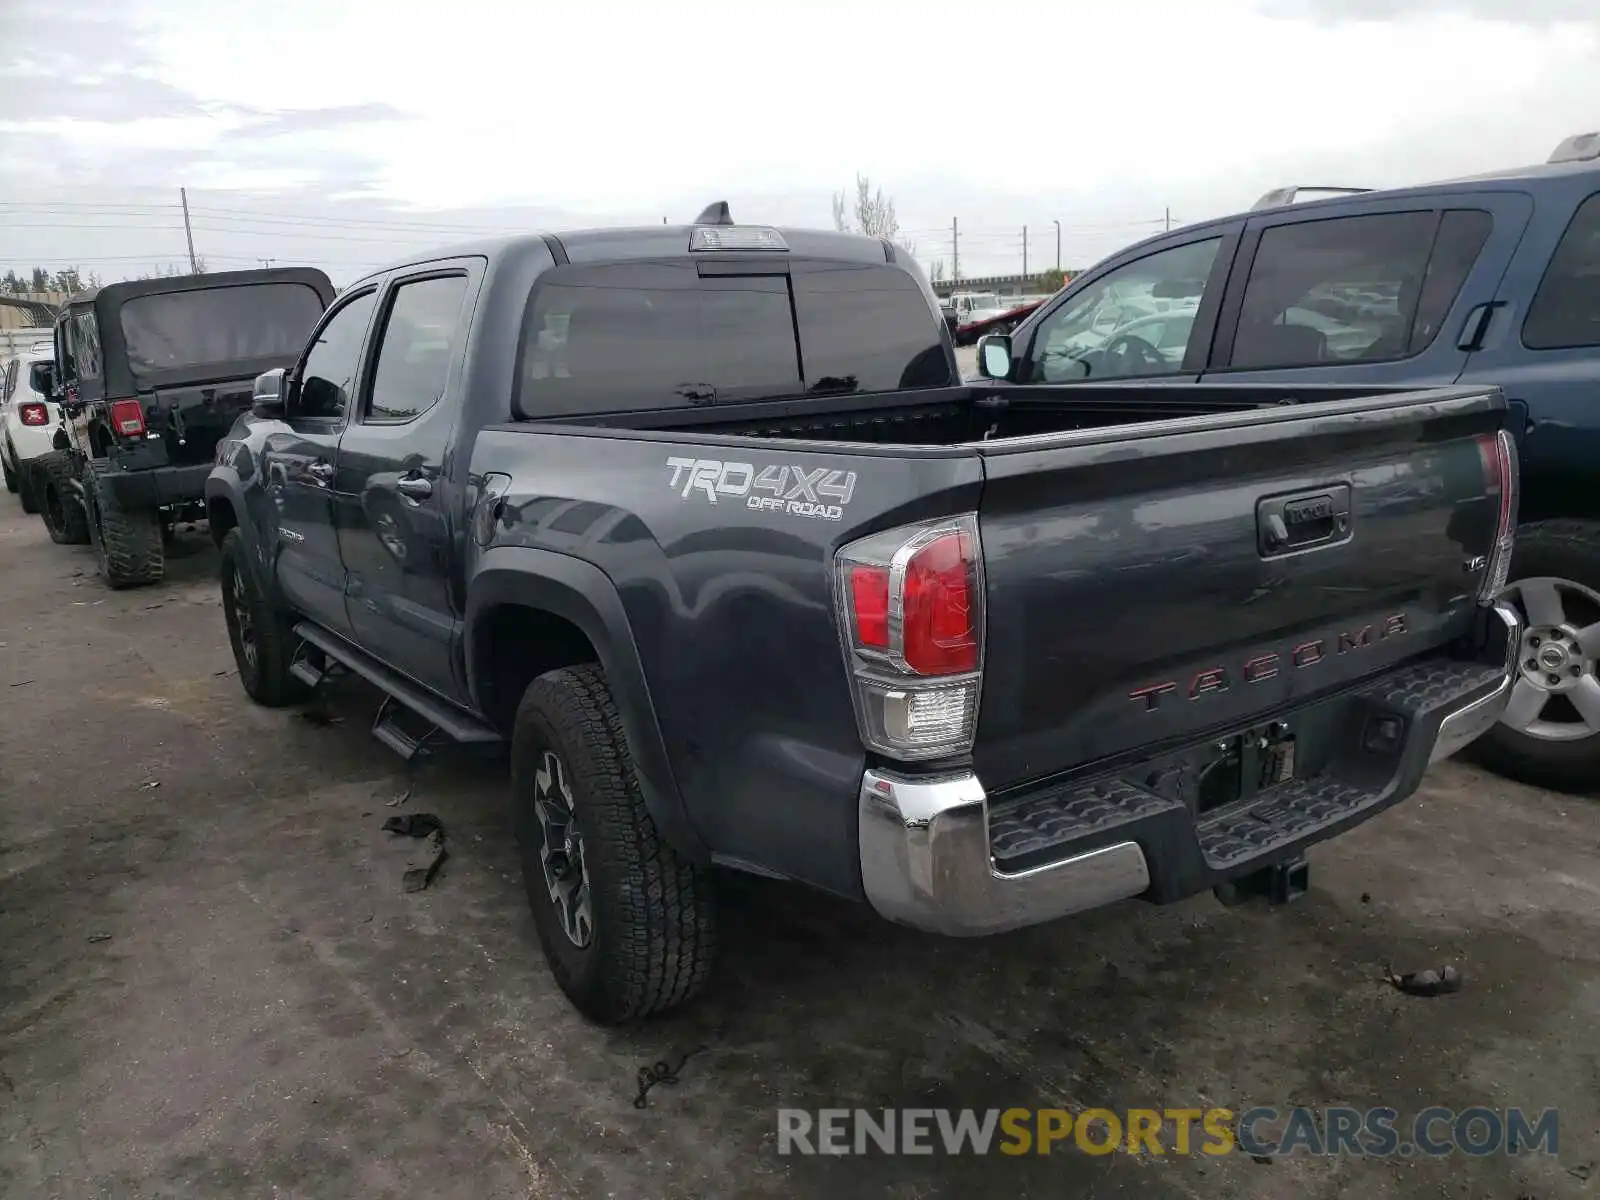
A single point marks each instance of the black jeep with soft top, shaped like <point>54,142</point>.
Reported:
<point>151,373</point>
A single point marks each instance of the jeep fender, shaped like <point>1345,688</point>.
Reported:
<point>583,594</point>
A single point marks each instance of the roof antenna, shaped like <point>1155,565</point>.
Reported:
<point>715,214</point>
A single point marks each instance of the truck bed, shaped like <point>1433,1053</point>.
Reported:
<point>985,413</point>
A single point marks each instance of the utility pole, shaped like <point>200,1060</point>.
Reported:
<point>194,264</point>
<point>1024,251</point>
<point>266,262</point>
<point>1058,247</point>
<point>1169,220</point>
<point>955,249</point>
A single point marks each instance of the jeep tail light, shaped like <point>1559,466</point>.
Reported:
<point>127,417</point>
<point>32,412</point>
<point>1497,453</point>
<point>910,603</point>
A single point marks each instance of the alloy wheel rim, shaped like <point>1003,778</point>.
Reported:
<point>239,602</point>
<point>561,856</point>
<point>1555,694</point>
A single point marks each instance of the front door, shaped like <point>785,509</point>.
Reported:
<point>298,464</point>
<point>397,507</point>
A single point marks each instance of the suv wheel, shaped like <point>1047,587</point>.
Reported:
<point>28,487</point>
<point>13,484</point>
<point>127,542</point>
<point>627,926</point>
<point>1550,733</point>
<point>262,637</point>
<point>53,480</point>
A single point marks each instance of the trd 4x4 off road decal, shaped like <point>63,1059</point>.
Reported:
<point>792,489</point>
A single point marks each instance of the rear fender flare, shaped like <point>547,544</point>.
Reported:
<point>583,594</point>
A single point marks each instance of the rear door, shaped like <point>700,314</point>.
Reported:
<point>397,508</point>
<point>1088,334</point>
<point>1385,291</point>
<point>1543,349</point>
<point>298,462</point>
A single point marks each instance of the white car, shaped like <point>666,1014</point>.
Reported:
<point>28,419</point>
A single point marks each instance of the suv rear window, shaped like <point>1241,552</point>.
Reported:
<point>1566,310</point>
<point>650,335</point>
<point>172,330</point>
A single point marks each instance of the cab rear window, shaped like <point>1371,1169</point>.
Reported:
<point>637,336</point>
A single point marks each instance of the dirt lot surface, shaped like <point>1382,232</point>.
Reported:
<point>211,983</point>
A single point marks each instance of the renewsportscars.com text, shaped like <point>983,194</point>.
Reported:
<point>1260,1132</point>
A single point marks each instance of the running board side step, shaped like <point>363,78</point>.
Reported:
<point>398,692</point>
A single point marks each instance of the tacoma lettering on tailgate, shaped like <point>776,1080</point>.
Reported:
<point>792,489</point>
<point>1270,665</point>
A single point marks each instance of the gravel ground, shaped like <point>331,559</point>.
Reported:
<point>213,984</point>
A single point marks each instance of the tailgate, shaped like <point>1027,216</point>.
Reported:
<point>193,418</point>
<point>1152,584</point>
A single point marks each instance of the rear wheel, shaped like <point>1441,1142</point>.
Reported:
<point>27,487</point>
<point>262,637</point>
<point>12,481</point>
<point>127,541</point>
<point>1550,733</point>
<point>627,926</point>
<point>53,483</point>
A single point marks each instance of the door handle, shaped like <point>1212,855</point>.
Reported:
<point>1304,520</point>
<point>416,486</point>
<point>321,470</point>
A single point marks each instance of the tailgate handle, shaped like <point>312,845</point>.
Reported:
<point>1303,520</point>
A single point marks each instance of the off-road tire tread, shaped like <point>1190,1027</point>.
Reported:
<point>56,468</point>
<point>12,478</point>
<point>1559,766</point>
<point>274,686</point>
<point>130,538</point>
<point>659,949</point>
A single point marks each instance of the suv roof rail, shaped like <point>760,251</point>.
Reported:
<point>1278,197</point>
<point>1580,147</point>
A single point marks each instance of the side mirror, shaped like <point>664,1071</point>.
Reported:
<point>267,398</point>
<point>994,356</point>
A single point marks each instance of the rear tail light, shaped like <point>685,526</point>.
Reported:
<point>127,417</point>
<point>910,604</point>
<point>1497,453</point>
<point>32,412</point>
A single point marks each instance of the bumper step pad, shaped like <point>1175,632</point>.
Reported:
<point>1066,820</point>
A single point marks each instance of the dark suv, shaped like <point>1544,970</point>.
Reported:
<point>151,373</point>
<point>1492,280</point>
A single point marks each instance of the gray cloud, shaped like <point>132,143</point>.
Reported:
<point>1524,12</point>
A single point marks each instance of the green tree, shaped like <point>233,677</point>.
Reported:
<point>1051,280</point>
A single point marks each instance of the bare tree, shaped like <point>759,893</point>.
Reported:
<point>874,213</point>
<point>936,272</point>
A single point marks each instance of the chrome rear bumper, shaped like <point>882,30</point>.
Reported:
<point>926,857</point>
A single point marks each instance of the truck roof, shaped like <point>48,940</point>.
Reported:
<point>629,243</point>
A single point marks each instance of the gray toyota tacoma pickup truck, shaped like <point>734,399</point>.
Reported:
<point>701,521</point>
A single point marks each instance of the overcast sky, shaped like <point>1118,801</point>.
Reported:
<point>347,133</point>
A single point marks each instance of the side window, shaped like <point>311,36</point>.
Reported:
<point>86,344</point>
<point>1566,309</point>
<point>1343,289</point>
<point>420,340</point>
<point>69,374</point>
<point>8,382</point>
<point>1462,233</point>
<point>1104,332</point>
<point>329,374</point>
